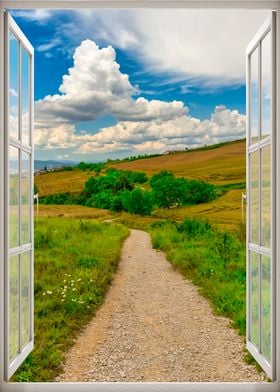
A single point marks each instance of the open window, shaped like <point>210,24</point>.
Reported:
<point>18,197</point>
<point>261,198</point>
<point>261,132</point>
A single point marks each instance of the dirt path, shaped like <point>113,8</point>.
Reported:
<point>154,326</point>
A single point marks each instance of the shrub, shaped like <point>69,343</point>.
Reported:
<point>137,202</point>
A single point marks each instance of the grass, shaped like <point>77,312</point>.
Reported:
<point>75,261</point>
<point>212,259</point>
<point>224,211</point>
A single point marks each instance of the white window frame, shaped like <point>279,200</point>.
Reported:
<point>141,387</point>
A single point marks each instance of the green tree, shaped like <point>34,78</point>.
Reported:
<point>168,190</point>
<point>137,202</point>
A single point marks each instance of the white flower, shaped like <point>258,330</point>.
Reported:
<point>49,292</point>
<point>44,293</point>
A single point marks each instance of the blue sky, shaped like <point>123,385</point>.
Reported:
<point>185,83</point>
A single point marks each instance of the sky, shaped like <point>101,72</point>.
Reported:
<point>114,83</point>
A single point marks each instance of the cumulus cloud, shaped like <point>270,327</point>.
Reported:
<point>95,87</point>
<point>179,133</point>
<point>148,136</point>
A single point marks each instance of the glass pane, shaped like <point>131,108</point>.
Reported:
<point>266,197</point>
<point>25,198</point>
<point>25,93</point>
<point>254,298</point>
<point>254,98</point>
<point>13,86</point>
<point>25,297</point>
<point>14,196</point>
<point>13,307</point>
<point>266,308</point>
<point>266,86</point>
<point>254,197</point>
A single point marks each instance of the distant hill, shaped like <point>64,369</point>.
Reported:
<point>219,164</point>
<point>51,164</point>
<point>224,164</point>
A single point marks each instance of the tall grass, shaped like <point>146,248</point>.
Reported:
<point>212,259</point>
<point>75,261</point>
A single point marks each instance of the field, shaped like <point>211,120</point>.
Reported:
<point>224,212</point>
<point>222,165</point>
<point>75,261</point>
<point>56,182</point>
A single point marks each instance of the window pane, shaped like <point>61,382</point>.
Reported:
<point>254,197</point>
<point>25,93</point>
<point>266,197</point>
<point>254,298</point>
<point>266,86</point>
<point>13,86</point>
<point>13,307</point>
<point>254,98</point>
<point>25,297</point>
<point>14,197</point>
<point>25,198</point>
<point>266,308</point>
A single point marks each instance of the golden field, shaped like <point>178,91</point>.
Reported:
<point>57,182</point>
<point>222,165</point>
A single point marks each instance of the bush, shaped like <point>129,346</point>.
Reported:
<point>199,192</point>
<point>100,200</point>
<point>116,204</point>
<point>137,202</point>
<point>194,227</point>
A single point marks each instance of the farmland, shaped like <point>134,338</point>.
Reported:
<point>222,165</point>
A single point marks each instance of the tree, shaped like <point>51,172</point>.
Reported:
<point>168,190</point>
<point>199,192</point>
<point>91,186</point>
<point>137,202</point>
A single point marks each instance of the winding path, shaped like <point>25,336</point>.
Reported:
<point>155,326</point>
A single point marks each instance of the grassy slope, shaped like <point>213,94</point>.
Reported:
<point>225,211</point>
<point>222,165</point>
<point>75,262</point>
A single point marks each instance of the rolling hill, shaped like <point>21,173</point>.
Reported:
<point>222,165</point>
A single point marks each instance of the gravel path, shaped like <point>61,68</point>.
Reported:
<point>155,326</point>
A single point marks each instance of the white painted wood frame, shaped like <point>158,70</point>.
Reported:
<point>142,387</point>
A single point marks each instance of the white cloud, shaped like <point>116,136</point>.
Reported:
<point>49,45</point>
<point>13,93</point>
<point>147,136</point>
<point>35,15</point>
<point>95,87</point>
<point>200,46</point>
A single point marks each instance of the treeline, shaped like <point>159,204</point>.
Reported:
<point>123,190</point>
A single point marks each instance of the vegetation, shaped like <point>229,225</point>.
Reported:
<point>219,166</point>
<point>75,261</point>
<point>213,259</point>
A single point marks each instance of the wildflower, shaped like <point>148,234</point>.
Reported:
<point>44,293</point>
<point>62,300</point>
<point>49,292</point>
